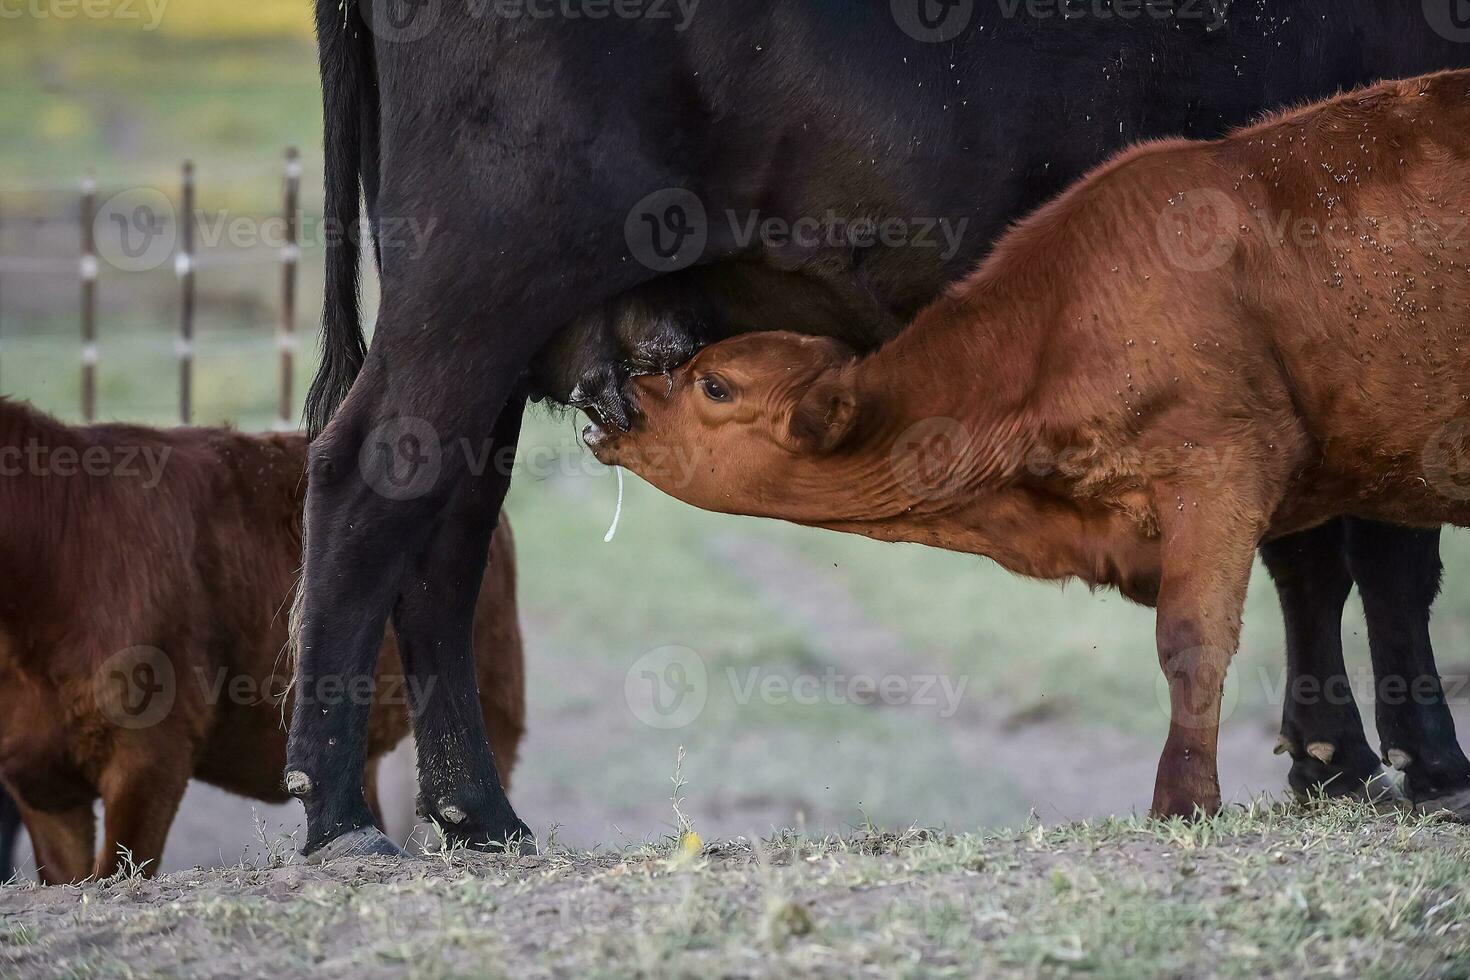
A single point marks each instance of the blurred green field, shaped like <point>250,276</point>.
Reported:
<point>231,94</point>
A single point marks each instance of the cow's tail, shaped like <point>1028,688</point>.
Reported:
<point>344,46</point>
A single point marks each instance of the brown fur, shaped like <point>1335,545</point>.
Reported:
<point>199,564</point>
<point>1146,379</point>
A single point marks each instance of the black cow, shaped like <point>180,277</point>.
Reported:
<point>9,833</point>
<point>615,173</point>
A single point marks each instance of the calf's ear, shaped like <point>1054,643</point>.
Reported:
<point>824,416</point>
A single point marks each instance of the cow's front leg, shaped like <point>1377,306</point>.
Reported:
<point>459,784</point>
<point>1320,725</point>
<point>1398,573</point>
<point>1208,548</point>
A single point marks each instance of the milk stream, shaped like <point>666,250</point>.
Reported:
<point>617,514</point>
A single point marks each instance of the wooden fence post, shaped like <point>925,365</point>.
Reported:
<point>89,298</point>
<point>184,268</point>
<point>290,257</point>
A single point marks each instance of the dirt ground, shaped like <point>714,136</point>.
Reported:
<point>1263,892</point>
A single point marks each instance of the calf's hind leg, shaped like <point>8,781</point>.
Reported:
<point>1320,724</point>
<point>1398,574</point>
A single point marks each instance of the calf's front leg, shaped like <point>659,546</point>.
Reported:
<point>1208,546</point>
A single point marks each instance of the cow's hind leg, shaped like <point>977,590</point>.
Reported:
<point>382,476</point>
<point>390,482</point>
<point>1320,724</point>
<point>459,786</point>
<point>1398,574</point>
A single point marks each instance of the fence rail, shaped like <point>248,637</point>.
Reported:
<point>186,264</point>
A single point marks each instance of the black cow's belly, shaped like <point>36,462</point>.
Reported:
<point>837,114</point>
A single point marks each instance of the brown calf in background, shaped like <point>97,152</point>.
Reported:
<point>143,626</point>
<point>1197,347</point>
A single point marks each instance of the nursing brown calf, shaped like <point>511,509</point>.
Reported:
<point>1197,347</point>
<point>142,628</point>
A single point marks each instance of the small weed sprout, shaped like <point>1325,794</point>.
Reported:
<point>688,843</point>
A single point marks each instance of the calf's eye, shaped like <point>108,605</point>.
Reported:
<point>714,389</point>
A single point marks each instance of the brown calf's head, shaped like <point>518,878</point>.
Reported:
<point>760,424</point>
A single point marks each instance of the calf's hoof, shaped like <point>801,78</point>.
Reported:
<point>1168,806</point>
<point>1453,806</point>
<point>359,843</point>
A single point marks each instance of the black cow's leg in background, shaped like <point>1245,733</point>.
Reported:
<point>1398,574</point>
<point>459,785</point>
<point>1320,723</point>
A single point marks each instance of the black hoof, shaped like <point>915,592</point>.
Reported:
<point>359,843</point>
<point>516,839</point>
<point>1350,771</point>
<point>1453,806</point>
<point>1381,790</point>
<point>520,842</point>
